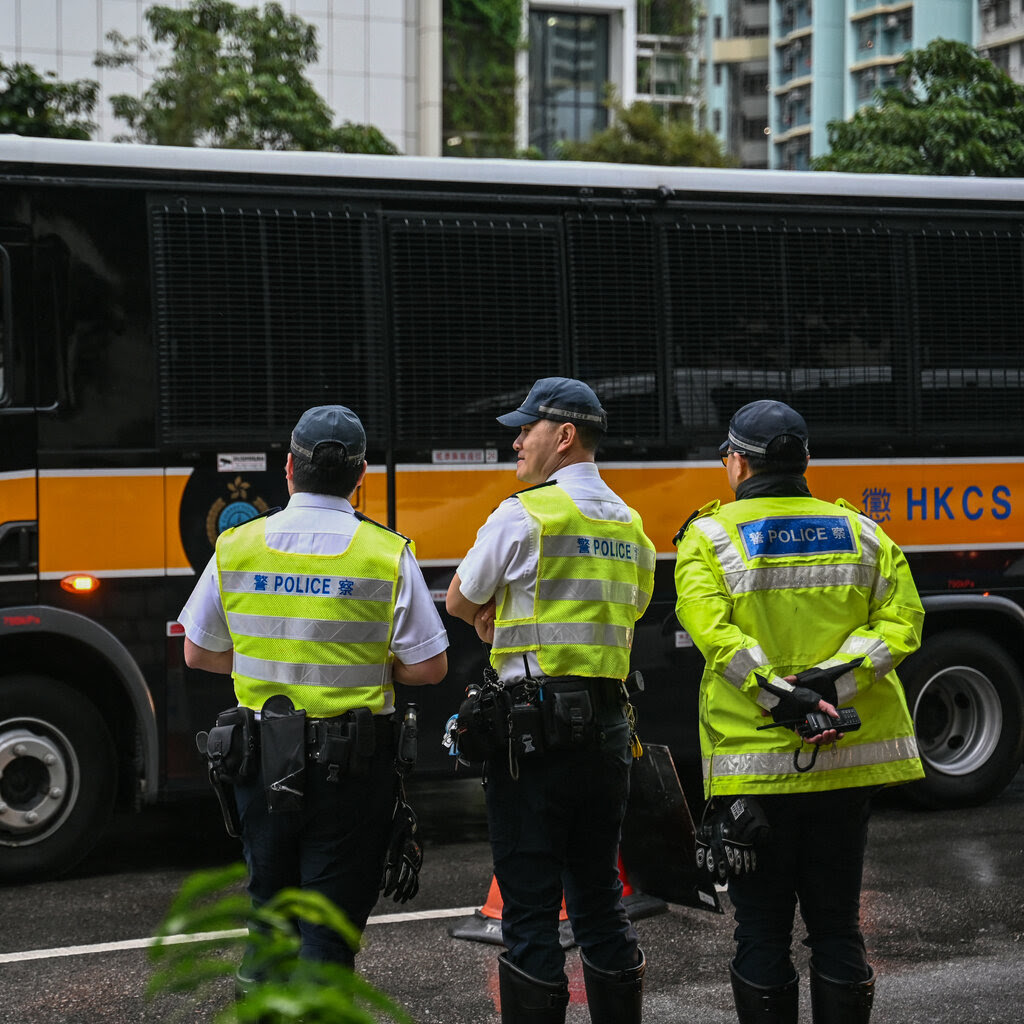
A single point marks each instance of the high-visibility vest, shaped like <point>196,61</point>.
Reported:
<point>770,586</point>
<point>594,580</point>
<point>316,628</point>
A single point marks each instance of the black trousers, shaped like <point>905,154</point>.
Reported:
<point>556,828</point>
<point>334,845</point>
<point>814,857</point>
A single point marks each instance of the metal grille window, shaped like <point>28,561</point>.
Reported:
<point>807,316</point>
<point>969,312</point>
<point>613,308</point>
<point>261,312</point>
<point>478,315</point>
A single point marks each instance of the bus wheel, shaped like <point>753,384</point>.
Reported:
<point>966,697</point>
<point>58,775</point>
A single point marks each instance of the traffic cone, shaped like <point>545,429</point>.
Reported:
<point>485,924</point>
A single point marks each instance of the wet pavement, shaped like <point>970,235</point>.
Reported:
<point>943,915</point>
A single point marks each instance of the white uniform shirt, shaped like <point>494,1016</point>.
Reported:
<point>319,524</point>
<point>506,553</point>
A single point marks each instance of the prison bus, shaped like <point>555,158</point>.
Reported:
<point>168,313</point>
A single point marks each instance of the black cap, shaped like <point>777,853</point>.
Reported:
<point>329,424</point>
<point>757,424</point>
<point>562,399</point>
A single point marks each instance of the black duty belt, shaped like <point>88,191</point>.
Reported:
<point>318,729</point>
<point>605,694</point>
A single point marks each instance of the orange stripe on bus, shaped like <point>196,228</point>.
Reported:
<point>928,504</point>
<point>17,499</point>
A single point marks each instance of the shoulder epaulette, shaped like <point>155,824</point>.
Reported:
<point>705,510</point>
<point>535,487</point>
<point>850,507</point>
<point>373,522</point>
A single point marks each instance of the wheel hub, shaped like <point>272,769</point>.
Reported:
<point>33,781</point>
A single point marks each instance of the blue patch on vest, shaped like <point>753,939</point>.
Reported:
<point>797,535</point>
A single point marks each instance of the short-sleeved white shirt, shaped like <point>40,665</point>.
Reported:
<point>320,524</point>
<point>506,553</point>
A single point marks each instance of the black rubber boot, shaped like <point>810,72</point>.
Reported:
<point>759,1004</point>
<point>526,1000</point>
<point>841,1002</point>
<point>615,997</point>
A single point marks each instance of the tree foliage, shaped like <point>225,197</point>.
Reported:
<point>218,917</point>
<point>43,107</point>
<point>639,135</point>
<point>952,113</point>
<point>479,106</point>
<point>235,79</point>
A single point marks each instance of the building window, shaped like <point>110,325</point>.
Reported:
<point>1000,56</point>
<point>568,74</point>
<point>755,85</point>
<point>716,122</point>
<point>1002,12</point>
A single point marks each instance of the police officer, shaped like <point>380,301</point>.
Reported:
<point>769,585</point>
<point>555,581</point>
<point>328,609</point>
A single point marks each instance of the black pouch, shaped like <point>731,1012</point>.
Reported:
<point>569,720</point>
<point>231,745</point>
<point>364,741</point>
<point>483,723</point>
<point>527,729</point>
<point>283,754</point>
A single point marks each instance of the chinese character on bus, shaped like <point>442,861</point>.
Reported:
<point>876,503</point>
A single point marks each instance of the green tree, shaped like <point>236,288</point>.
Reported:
<point>479,53</point>
<point>213,909</point>
<point>639,135</point>
<point>952,113</point>
<point>235,79</point>
<point>43,107</point>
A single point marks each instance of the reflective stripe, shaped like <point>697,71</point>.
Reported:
<point>743,662</point>
<point>615,591</point>
<point>902,748</point>
<point>321,630</point>
<point>533,634</point>
<point>871,546</point>
<point>291,674</point>
<point>728,554</point>
<point>595,546</point>
<point>308,584</point>
<point>804,576</point>
<point>872,647</point>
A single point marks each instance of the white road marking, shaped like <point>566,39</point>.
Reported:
<point>107,947</point>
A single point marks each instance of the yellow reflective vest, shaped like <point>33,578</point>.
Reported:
<point>316,628</point>
<point>770,586</point>
<point>594,580</point>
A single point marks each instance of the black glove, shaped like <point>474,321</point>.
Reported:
<point>727,840</point>
<point>404,857</point>
<point>793,705</point>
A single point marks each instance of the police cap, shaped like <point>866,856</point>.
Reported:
<point>757,424</point>
<point>329,424</point>
<point>562,399</point>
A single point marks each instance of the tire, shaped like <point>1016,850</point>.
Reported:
<point>966,696</point>
<point>58,776</point>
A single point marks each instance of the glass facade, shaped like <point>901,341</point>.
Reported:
<point>568,72</point>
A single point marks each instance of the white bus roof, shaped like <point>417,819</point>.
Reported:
<point>513,173</point>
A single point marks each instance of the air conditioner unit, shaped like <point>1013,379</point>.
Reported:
<point>892,21</point>
<point>796,96</point>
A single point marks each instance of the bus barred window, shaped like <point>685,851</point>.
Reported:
<point>613,312</point>
<point>261,312</point>
<point>814,322</point>
<point>477,316</point>
<point>969,287</point>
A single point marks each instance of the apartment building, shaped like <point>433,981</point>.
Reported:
<point>777,71</point>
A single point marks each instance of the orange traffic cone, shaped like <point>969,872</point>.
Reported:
<point>485,924</point>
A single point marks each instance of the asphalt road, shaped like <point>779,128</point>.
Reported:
<point>943,914</point>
